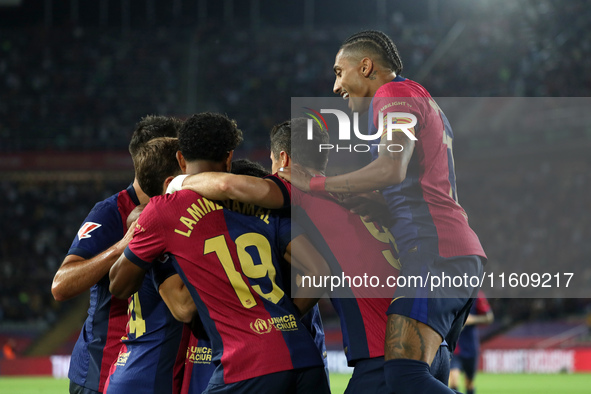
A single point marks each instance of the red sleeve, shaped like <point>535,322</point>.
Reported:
<point>148,241</point>
<point>284,186</point>
<point>394,97</point>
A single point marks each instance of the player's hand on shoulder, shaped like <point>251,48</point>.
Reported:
<point>134,215</point>
<point>297,175</point>
<point>129,234</point>
<point>285,173</point>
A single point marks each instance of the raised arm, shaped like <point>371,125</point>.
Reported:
<point>243,188</point>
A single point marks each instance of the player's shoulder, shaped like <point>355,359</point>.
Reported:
<point>283,185</point>
<point>108,202</point>
<point>172,200</point>
<point>278,180</point>
<point>402,87</point>
<point>160,210</point>
<point>107,207</point>
<point>101,228</point>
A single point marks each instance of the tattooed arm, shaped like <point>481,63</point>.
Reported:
<point>409,339</point>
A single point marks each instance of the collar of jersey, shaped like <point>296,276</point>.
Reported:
<point>133,194</point>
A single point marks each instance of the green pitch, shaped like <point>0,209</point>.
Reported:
<point>508,384</point>
<point>485,383</point>
<point>33,385</point>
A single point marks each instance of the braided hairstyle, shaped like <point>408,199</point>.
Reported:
<point>378,44</point>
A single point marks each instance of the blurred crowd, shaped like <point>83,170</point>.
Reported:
<point>75,89</point>
<point>83,87</point>
<point>536,219</point>
<point>39,222</point>
<point>532,218</point>
<point>530,49</point>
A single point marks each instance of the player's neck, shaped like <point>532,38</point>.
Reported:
<point>382,79</point>
<point>199,166</point>
<point>141,196</point>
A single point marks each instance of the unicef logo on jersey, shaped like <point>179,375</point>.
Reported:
<point>280,323</point>
<point>260,326</point>
<point>387,124</point>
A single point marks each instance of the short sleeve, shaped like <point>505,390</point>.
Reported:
<point>398,101</point>
<point>162,270</point>
<point>285,188</point>
<point>101,229</point>
<point>148,241</point>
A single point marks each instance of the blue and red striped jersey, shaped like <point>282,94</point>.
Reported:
<point>425,205</point>
<point>352,248</point>
<point>198,365</point>
<point>149,349</point>
<point>100,338</point>
<point>229,258</point>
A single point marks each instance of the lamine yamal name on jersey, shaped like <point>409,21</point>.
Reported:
<point>203,206</point>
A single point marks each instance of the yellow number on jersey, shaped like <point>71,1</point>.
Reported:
<point>137,324</point>
<point>219,246</point>
<point>256,271</point>
<point>251,270</point>
<point>384,235</point>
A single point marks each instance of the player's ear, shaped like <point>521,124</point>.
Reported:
<point>284,159</point>
<point>366,66</point>
<point>229,161</point>
<point>182,163</point>
<point>167,182</point>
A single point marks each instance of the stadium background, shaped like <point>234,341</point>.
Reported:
<point>76,76</point>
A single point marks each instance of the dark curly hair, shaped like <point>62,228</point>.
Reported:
<point>249,167</point>
<point>377,44</point>
<point>208,136</point>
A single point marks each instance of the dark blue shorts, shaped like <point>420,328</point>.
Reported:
<point>295,381</point>
<point>77,389</point>
<point>440,365</point>
<point>443,308</point>
<point>467,364</point>
<point>368,377</point>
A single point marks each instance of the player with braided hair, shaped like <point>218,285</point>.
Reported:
<point>418,183</point>
<point>380,44</point>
